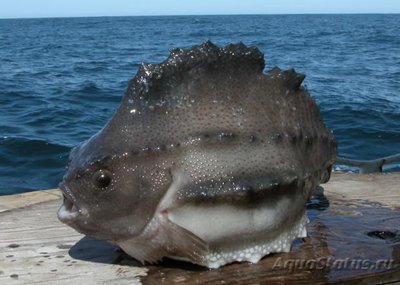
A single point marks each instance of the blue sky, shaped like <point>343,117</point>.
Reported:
<point>68,8</point>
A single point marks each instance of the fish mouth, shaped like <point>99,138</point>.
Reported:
<point>70,209</point>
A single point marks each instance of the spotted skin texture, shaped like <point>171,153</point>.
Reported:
<point>204,138</point>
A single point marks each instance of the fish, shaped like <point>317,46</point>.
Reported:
<point>208,159</point>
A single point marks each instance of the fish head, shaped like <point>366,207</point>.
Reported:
<point>105,196</point>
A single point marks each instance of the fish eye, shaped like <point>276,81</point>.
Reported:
<point>102,179</point>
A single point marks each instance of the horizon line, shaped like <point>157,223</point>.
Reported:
<point>200,15</point>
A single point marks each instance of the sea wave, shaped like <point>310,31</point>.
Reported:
<point>38,163</point>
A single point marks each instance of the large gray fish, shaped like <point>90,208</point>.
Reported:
<point>207,160</point>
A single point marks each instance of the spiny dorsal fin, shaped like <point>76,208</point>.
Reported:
<point>207,56</point>
<point>289,77</point>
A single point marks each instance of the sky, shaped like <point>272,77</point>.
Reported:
<point>80,8</point>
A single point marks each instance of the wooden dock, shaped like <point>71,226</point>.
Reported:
<point>355,240</point>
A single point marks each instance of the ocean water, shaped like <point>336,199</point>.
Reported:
<point>62,79</point>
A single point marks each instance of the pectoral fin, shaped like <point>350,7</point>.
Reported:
<point>163,238</point>
<point>183,243</point>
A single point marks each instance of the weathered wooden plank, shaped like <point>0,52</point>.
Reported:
<point>361,222</point>
<point>382,188</point>
<point>35,246</point>
<point>10,202</point>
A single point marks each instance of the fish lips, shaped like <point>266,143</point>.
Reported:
<point>70,210</point>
